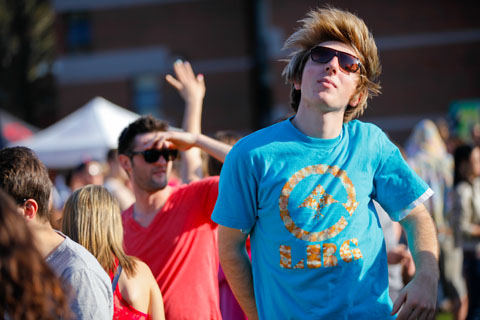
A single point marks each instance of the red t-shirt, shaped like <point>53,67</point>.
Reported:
<point>180,247</point>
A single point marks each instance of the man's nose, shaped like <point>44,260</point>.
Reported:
<point>161,160</point>
<point>331,67</point>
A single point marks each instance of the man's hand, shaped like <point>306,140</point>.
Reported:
<point>171,139</point>
<point>190,87</point>
<point>418,298</point>
<point>181,140</point>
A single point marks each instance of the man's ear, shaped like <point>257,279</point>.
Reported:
<point>30,209</point>
<point>356,98</point>
<point>125,162</point>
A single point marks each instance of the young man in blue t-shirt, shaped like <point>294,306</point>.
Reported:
<point>303,189</point>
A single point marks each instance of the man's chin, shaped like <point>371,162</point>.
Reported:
<point>159,185</point>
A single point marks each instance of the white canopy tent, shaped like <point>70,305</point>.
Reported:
<point>86,134</point>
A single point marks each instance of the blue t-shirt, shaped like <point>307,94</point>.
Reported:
<point>317,244</point>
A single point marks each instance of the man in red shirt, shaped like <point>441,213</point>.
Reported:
<point>169,228</point>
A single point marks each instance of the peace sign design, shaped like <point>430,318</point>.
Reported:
<point>298,176</point>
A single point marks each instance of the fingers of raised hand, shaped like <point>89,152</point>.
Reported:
<point>174,82</point>
<point>183,71</point>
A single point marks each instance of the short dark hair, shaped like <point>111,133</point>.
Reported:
<point>462,167</point>
<point>24,176</point>
<point>144,124</point>
<point>112,155</point>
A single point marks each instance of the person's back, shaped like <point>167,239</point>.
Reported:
<point>92,218</point>
<point>135,294</point>
<point>86,279</point>
<point>25,178</point>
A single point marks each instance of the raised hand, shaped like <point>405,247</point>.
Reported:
<point>190,87</point>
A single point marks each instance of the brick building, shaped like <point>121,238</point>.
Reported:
<point>122,49</point>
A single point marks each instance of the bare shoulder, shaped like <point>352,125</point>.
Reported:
<point>143,272</point>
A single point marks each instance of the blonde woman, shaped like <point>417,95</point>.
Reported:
<point>92,218</point>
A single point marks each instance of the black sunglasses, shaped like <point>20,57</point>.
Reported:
<point>152,155</point>
<point>347,62</point>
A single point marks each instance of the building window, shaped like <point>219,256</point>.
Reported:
<point>146,94</point>
<point>78,32</point>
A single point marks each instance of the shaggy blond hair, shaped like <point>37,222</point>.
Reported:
<point>92,218</point>
<point>330,24</point>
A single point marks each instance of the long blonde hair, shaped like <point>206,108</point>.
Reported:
<point>92,218</point>
<point>327,24</point>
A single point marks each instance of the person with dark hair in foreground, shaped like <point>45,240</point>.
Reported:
<point>28,287</point>
<point>24,177</point>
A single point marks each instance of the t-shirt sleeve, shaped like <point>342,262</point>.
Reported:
<point>92,298</point>
<point>236,205</point>
<point>201,196</point>
<point>396,185</point>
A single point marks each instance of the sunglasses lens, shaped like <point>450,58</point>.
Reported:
<point>348,63</point>
<point>322,54</point>
<point>152,155</point>
<point>169,154</point>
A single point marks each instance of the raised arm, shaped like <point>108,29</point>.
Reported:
<point>192,90</point>
<point>420,295</point>
<point>185,140</point>
<point>237,268</point>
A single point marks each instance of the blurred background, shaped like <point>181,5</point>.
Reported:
<point>58,55</point>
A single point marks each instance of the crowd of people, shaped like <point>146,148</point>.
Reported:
<point>319,215</point>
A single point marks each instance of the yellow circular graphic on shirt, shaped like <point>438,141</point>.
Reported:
<point>331,231</point>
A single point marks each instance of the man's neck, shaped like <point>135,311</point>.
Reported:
<point>317,124</point>
<point>148,204</point>
<point>45,238</point>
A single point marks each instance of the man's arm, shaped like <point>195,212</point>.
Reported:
<point>192,90</point>
<point>419,296</point>
<point>237,268</point>
<point>185,140</point>
<point>93,297</point>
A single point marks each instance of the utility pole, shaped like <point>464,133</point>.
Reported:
<point>260,75</point>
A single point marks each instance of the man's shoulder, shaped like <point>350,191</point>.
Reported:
<point>366,134</point>
<point>83,274</point>
<point>196,186</point>
<point>256,141</point>
<point>357,126</point>
<point>70,257</point>
<point>464,189</point>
